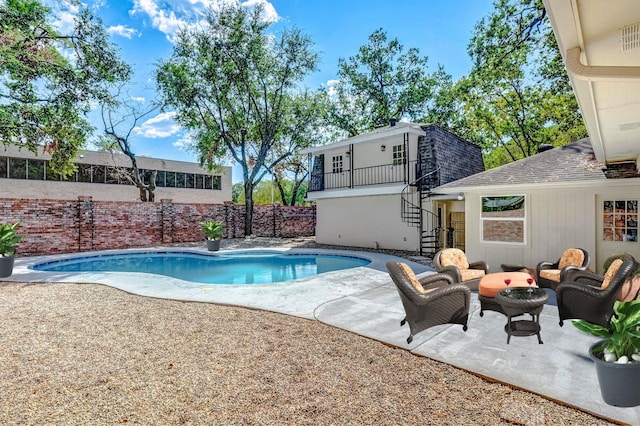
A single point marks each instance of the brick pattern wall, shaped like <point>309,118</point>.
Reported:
<point>63,226</point>
<point>456,157</point>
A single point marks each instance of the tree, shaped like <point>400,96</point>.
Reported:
<point>118,121</point>
<point>233,85</point>
<point>518,95</point>
<point>380,82</point>
<point>304,128</point>
<point>49,80</point>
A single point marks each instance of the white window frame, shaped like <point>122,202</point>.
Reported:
<point>522,219</point>
<point>399,154</point>
<point>337,164</point>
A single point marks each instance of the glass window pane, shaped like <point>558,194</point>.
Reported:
<point>190,183</point>
<point>160,179</point>
<point>4,161</point>
<point>36,169</point>
<point>208,182</point>
<point>84,172</point>
<point>99,174</point>
<point>113,175</point>
<point>509,206</point>
<point>171,179</point>
<point>180,179</point>
<point>17,168</point>
<point>199,181</point>
<point>217,182</point>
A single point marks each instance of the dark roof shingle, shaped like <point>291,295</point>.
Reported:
<point>573,162</point>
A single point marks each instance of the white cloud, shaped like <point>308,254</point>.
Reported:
<point>139,99</point>
<point>123,31</point>
<point>165,21</point>
<point>185,143</point>
<point>161,126</point>
<point>270,14</point>
<point>331,84</point>
<point>169,18</point>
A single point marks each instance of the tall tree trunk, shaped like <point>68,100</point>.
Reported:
<point>248,203</point>
<point>283,196</point>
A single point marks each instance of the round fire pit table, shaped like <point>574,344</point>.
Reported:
<point>518,301</point>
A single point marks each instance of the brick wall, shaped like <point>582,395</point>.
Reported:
<point>64,226</point>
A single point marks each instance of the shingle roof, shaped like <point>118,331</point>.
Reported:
<point>573,162</point>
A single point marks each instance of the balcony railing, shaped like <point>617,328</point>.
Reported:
<point>363,176</point>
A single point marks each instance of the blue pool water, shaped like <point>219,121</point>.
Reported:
<point>233,268</point>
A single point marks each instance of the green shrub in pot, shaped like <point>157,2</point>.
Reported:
<point>8,239</point>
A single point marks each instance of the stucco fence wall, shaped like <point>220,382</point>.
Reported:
<point>66,226</point>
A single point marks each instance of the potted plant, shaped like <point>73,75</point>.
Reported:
<point>213,232</point>
<point>8,241</point>
<point>617,357</point>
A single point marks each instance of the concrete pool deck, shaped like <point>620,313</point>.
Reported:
<point>364,300</point>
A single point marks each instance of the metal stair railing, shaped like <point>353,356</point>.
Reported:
<point>413,214</point>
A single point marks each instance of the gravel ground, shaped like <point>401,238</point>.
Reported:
<point>91,355</point>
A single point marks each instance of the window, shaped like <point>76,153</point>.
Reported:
<point>99,174</point>
<point>18,168</point>
<point>398,155</point>
<point>503,219</point>
<point>84,173</point>
<point>4,161</point>
<point>22,168</point>
<point>160,179</point>
<point>620,220</point>
<point>190,180</point>
<point>217,182</point>
<point>3,166</point>
<point>171,179</point>
<point>35,169</point>
<point>336,161</point>
<point>180,179</point>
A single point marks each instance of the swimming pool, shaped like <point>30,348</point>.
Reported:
<point>232,268</point>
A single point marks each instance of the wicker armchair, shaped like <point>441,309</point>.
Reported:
<point>549,274</point>
<point>431,300</point>
<point>453,262</point>
<point>590,296</point>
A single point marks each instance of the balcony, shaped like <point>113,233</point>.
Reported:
<point>365,176</point>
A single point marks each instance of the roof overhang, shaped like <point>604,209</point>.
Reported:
<point>385,132</point>
<point>600,43</point>
<point>527,187</point>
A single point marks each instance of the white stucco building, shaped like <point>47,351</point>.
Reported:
<point>373,190</point>
<point>24,174</point>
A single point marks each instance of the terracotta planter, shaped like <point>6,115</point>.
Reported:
<point>6,265</point>
<point>618,382</point>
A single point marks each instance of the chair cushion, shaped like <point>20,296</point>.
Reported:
<point>454,257</point>
<point>471,274</point>
<point>571,257</point>
<point>551,274</point>
<point>611,272</point>
<point>630,289</point>
<point>411,276</point>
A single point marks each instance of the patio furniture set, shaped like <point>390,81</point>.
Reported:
<point>444,297</point>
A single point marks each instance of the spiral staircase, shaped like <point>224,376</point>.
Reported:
<point>414,197</point>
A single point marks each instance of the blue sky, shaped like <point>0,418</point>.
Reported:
<point>143,29</point>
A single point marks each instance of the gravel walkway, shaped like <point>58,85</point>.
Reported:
<point>89,354</point>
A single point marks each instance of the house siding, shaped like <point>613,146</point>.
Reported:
<point>368,221</point>
<point>557,218</point>
<point>455,157</point>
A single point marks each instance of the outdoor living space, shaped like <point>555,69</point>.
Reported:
<point>91,353</point>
